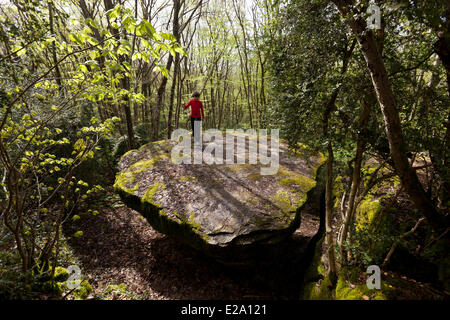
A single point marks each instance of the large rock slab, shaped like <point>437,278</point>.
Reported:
<point>219,208</point>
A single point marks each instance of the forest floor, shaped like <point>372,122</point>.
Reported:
<point>120,250</point>
<point>119,247</point>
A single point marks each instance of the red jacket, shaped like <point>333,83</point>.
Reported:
<point>196,108</point>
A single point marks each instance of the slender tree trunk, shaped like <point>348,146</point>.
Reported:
<point>55,59</point>
<point>329,216</point>
<point>159,99</point>
<point>128,118</point>
<point>179,93</point>
<point>172,95</point>
<point>329,206</point>
<point>176,34</point>
<point>356,179</point>
<point>329,108</point>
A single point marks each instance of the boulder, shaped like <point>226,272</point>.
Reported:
<point>220,208</point>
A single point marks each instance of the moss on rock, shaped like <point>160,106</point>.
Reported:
<point>83,291</point>
<point>299,180</point>
<point>367,211</point>
<point>61,274</point>
<point>151,191</point>
<point>237,211</point>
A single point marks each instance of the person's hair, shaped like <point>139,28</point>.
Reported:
<point>196,94</point>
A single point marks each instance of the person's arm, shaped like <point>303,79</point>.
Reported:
<point>201,107</point>
<point>187,104</point>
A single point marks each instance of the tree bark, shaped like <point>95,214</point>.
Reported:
<point>55,59</point>
<point>329,217</point>
<point>176,34</point>
<point>442,48</point>
<point>356,179</point>
<point>159,99</point>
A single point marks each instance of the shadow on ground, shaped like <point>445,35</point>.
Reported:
<point>119,246</point>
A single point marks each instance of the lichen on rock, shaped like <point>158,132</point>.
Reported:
<point>217,208</point>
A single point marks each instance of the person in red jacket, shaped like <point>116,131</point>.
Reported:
<point>197,113</point>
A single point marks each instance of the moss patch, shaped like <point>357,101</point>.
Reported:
<point>83,291</point>
<point>61,274</point>
<point>346,289</point>
<point>367,211</point>
<point>283,200</point>
<point>300,181</point>
<point>254,176</point>
<point>316,283</point>
<point>237,167</point>
<point>125,179</point>
<point>282,216</point>
<point>150,193</point>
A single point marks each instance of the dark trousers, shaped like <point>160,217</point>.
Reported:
<point>193,119</point>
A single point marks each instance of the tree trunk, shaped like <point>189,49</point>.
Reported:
<point>387,103</point>
<point>159,99</point>
<point>128,118</point>
<point>442,48</point>
<point>176,34</point>
<point>55,60</point>
<point>356,178</point>
<point>329,217</point>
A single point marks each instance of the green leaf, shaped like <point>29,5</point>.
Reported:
<point>163,70</point>
<point>128,23</point>
<point>149,29</point>
<point>78,234</point>
<point>168,37</point>
<point>136,56</point>
<point>87,30</point>
<point>145,57</point>
<point>75,38</point>
<point>92,40</point>
<point>180,50</point>
<point>82,68</point>
<point>21,52</point>
<point>147,44</point>
<point>94,54</point>
<point>115,12</point>
<point>156,37</point>
<point>122,50</point>
<point>92,23</point>
<point>127,65</point>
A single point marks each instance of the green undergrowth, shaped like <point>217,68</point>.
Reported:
<point>316,283</point>
<point>350,285</point>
